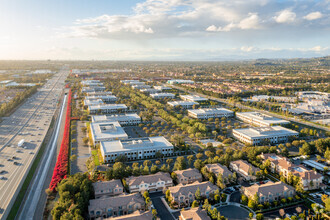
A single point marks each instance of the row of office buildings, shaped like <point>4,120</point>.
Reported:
<point>107,131</point>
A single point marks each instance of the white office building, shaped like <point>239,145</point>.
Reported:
<point>183,104</point>
<point>180,81</point>
<point>108,108</point>
<point>193,98</point>
<point>131,82</point>
<point>259,119</point>
<point>98,93</point>
<point>205,113</point>
<point>135,149</point>
<point>107,131</point>
<point>105,98</point>
<point>162,88</point>
<point>162,95</point>
<point>123,119</point>
<point>150,91</point>
<point>93,89</point>
<point>143,86</point>
<point>261,135</point>
<point>91,102</point>
<point>91,83</point>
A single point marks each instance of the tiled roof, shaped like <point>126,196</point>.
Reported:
<point>191,172</point>
<point>105,185</point>
<point>137,215</point>
<point>153,178</point>
<point>244,165</point>
<point>269,187</point>
<point>195,214</point>
<point>217,168</point>
<point>116,201</point>
<point>191,188</point>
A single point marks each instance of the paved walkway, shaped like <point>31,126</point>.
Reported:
<point>81,150</point>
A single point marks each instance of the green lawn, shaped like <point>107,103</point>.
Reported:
<point>96,157</point>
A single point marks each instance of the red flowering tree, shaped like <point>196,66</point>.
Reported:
<point>61,166</point>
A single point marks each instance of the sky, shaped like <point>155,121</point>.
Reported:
<point>171,30</point>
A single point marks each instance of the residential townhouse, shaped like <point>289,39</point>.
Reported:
<point>310,179</point>
<point>217,169</point>
<point>244,168</point>
<point>269,191</point>
<point>188,176</point>
<point>194,214</point>
<point>108,188</point>
<point>185,194</point>
<point>151,183</point>
<point>137,215</point>
<point>115,206</point>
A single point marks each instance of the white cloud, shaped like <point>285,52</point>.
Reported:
<point>251,22</point>
<point>157,19</point>
<point>212,28</point>
<point>285,16</point>
<point>247,49</point>
<point>313,16</point>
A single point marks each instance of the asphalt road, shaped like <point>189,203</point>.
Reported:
<point>253,109</point>
<point>162,211</point>
<point>36,188</point>
<point>30,122</point>
<point>233,212</point>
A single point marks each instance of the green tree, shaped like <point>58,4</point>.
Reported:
<point>194,204</point>
<point>198,194</point>
<point>260,216</point>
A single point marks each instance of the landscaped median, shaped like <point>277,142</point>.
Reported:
<point>61,167</point>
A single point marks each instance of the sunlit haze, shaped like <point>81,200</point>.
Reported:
<point>164,29</point>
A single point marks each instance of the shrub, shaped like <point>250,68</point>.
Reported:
<point>61,166</point>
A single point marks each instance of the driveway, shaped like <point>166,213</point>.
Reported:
<point>233,212</point>
<point>162,211</point>
<point>235,197</point>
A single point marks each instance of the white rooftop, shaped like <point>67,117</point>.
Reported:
<point>266,131</point>
<point>92,97</point>
<point>262,117</point>
<point>107,130</point>
<point>210,110</point>
<point>135,144</point>
<point>90,102</point>
<point>162,94</point>
<point>195,98</point>
<point>108,106</point>
<point>162,87</point>
<point>176,103</point>
<point>109,118</point>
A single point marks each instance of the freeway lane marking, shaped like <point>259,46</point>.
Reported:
<point>35,192</point>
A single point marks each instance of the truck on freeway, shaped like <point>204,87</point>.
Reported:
<point>21,143</point>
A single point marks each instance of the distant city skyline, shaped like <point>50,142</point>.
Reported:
<point>192,30</point>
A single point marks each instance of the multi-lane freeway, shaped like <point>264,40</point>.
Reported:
<point>29,122</point>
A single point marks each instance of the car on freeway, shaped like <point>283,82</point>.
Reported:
<point>31,152</point>
<point>2,178</point>
<point>16,163</point>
